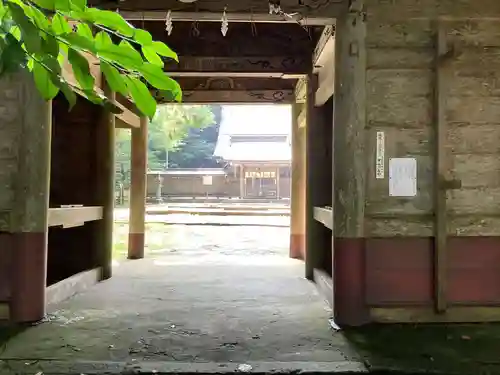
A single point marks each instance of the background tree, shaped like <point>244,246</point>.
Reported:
<point>166,132</point>
<point>170,126</point>
<point>42,35</point>
<point>197,148</point>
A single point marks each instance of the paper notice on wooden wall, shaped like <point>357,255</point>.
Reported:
<point>207,180</point>
<point>402,177</point>
<point>380,156</point>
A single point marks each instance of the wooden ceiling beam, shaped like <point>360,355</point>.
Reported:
<point>306,9</point>
<point>176,16</point>
<point>279,67</point>
<point>226,83</point>
<point>234,90</point>
<point>206,39</point>
<point>238,96</point>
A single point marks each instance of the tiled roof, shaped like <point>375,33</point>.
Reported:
<point>255,133</point>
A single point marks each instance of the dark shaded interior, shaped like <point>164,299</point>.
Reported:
<point>73,181</point>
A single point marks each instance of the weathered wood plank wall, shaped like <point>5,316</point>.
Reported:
<point>10,117</point>
<point>398,57</point>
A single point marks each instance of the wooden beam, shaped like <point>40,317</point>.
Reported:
<point>324,215</point>
<point>326,35</point>
<point>179,16</point>
<point>242,40</point>
<point>136,239</point>
<point>300,90</point>
<point>441,171</point>
<point>239,84</point>
<point>237,96</point>
<point>310,9</point>
<point>324,65</point>
<point>126,119</point>
<point>73,216</point>
<point>265,66</point>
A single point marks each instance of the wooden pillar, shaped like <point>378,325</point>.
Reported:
<point>29,215</point>
<point>277,182</point>
<point>106,188</point>
<point>318,189</point>
<point>350,158</point>
<point>242,181</point>
<point>298,189</point>
<point>138,191</point>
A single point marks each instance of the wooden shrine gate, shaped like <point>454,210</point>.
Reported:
<point>395,193</point>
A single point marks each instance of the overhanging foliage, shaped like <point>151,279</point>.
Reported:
<point>42,35</point>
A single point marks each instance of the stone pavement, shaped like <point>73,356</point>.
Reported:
<point>190,312</point>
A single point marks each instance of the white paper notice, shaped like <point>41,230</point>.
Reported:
<point>402,177</point>
<point>207,180</point>
<point>380,157</point>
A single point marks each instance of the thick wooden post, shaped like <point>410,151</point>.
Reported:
<point>298,188</point>
<point>441,171</point>
<point>242,181</point>
<point>349,160</point>
<point>277,182</point>
<point>29,216</point>
<point>318,184</point>
<point>106,188</point>
<point>137,224</point>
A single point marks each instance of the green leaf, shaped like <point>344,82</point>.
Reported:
<point>40,20</point>
<point>79,42</point>
<point>43,81</point>
<point>46,4</point>
<point>81,70</point>
<point>60,25</point>
<point>127,48</point>
<point>102,40</point>
<point>150,55</point>
<point>92,96</point>
<point>13,56</point>
<point>141,96</point>
<point>156,76</point>
<point>143,37</point>
<point>79,4</point>
<point>163,50</point>
<point>115,80</point>
<point>50,45</point>
<point>109,19</point>
<point>16,32</point>
<point>122,55</point>
<point>84,30</point>
<point>29,31</point>
<point>174,94</point>
<point>63,6</point>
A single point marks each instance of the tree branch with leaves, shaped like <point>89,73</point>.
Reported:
<point>44,35</point>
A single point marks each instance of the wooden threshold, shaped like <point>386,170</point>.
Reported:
<point>67,288</point>
<point>324,215</point>
<point>69,217</point>
<point>454,314</point>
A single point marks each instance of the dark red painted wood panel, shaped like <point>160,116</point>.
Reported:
<point>474,270</point>
<point>5,266</point>
<point>398,271</point>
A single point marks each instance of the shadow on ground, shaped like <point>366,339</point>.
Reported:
<point>470,349</point>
